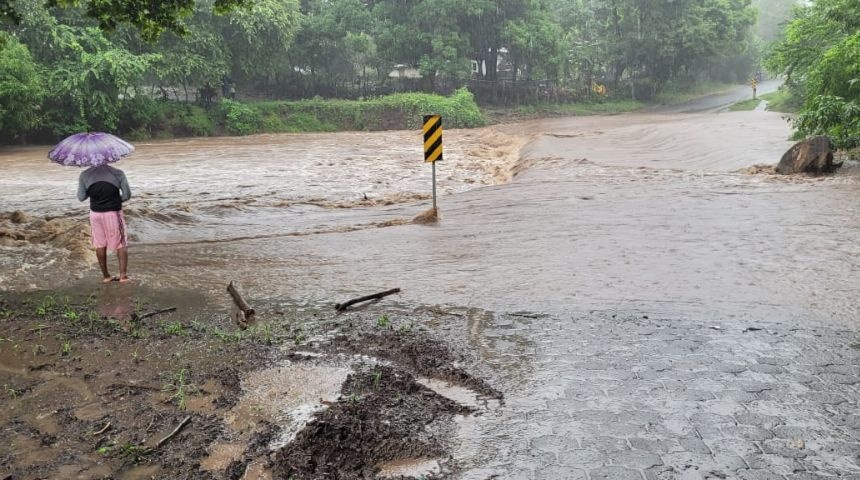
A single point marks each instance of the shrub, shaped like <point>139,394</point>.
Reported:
<point>305,122</point>
<point>197,122</point>
<point>241,118</point>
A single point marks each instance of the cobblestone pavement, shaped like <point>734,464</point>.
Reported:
<point>605,397</point>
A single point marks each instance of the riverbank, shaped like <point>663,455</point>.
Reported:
<point>94,386</point>
<point>144,118</point>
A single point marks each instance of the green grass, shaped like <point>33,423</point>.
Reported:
<point>676,93</point>
<point>745,105</point>
<point>781,101</point>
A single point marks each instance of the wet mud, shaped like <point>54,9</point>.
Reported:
<point>88,392</point>
<point>383,415</point>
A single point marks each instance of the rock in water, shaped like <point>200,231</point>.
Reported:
<point>813,155</point>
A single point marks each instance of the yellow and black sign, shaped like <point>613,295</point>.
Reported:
<point>753,82</point>
<point>432,138</point>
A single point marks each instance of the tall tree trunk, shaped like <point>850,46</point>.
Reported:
<point>493,64</point>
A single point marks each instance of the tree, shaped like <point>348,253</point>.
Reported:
<point>21,89</point>
<point>820,58</point>
<point>151,18</point>
<point>333,37</point>
<point>260,35</point>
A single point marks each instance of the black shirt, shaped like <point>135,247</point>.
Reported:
<point>104,197</point>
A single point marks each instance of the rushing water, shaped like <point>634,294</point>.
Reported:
<point>656,213</point>
<point>603,212</point>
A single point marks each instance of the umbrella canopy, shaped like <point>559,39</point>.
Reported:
<point>90,150</point>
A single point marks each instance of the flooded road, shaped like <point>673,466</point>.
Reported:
<point>644,216</point>
<point>605,212</point>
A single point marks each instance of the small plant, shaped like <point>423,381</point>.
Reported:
<point>46,306</point>
<point>299,336</point>
<point>227,337</point>
<point>11,392</point>
<point>108,352</point>
<point>72,315</point>
<point>135,357</point>
<point>181,388</point>
<point>383,321</point>
<point>268,338</point>
<point>132,453</point>
<point>175,328</point>
<point>38,349</point>
<point>405,327</point>
<point>67,349</point>
<point>377,376</point>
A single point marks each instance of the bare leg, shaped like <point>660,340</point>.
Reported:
<point>122,256</point>
<point>101,254</point>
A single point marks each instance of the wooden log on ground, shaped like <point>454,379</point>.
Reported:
<point>176,430</point>
<point>246,309</point>
<point>138,318</point>
<point>340,307</point>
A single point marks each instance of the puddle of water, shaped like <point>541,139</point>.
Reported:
<point>143,472</point>
<point>287,395</point>
<point>257,471</point>
<point>462,395</point>
<point>410,468</point>
<point>276,392</point>
<point>221,455</point>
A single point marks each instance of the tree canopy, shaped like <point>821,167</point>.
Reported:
<point>820,58</point>
<point>92,56</point>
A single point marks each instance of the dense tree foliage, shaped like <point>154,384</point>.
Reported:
<point>820,58</point>
<point>93,58</point>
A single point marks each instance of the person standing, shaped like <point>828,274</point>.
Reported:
<point>107,188</point>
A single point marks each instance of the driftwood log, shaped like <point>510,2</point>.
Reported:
<point>340,307</point>
<point>247,313</point>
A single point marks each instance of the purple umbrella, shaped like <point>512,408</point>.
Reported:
<point>90,150</point>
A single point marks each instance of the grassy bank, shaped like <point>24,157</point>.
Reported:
<point>746,105</point>
<point>592,107</point>
<point>149,118</point>
<point>781,101</point>
<point>144,118</point>
<point>671,95</point>
<point>679,93</point>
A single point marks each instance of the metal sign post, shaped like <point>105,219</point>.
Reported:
<point>754,85</point>
<point>433,145</point>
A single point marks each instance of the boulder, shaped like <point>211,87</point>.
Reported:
<point>813,155</point>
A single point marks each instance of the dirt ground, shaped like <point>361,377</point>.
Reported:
<point>93,389</point>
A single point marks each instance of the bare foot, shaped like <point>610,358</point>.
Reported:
<point>110,279</point>
<point>124,279</point>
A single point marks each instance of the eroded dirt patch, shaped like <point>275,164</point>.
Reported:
<point>383,415</point>
<point>305,393</point>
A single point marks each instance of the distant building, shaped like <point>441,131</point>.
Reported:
<point>504,66</point>
<point>403,72</point>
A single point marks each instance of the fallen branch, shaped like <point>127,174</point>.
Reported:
<point>103,430</point>
<point>137,318</point>
<point>340,307</point>
<point>176,430</point>
<point>116,386</point>
<point>246,309</point>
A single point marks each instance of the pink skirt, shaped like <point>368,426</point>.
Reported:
<point>108,230</point>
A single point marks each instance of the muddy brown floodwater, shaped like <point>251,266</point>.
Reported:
<point>604,212</point>
<point>656,213</point>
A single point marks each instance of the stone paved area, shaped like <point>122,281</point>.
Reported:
<point>605,397</point>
